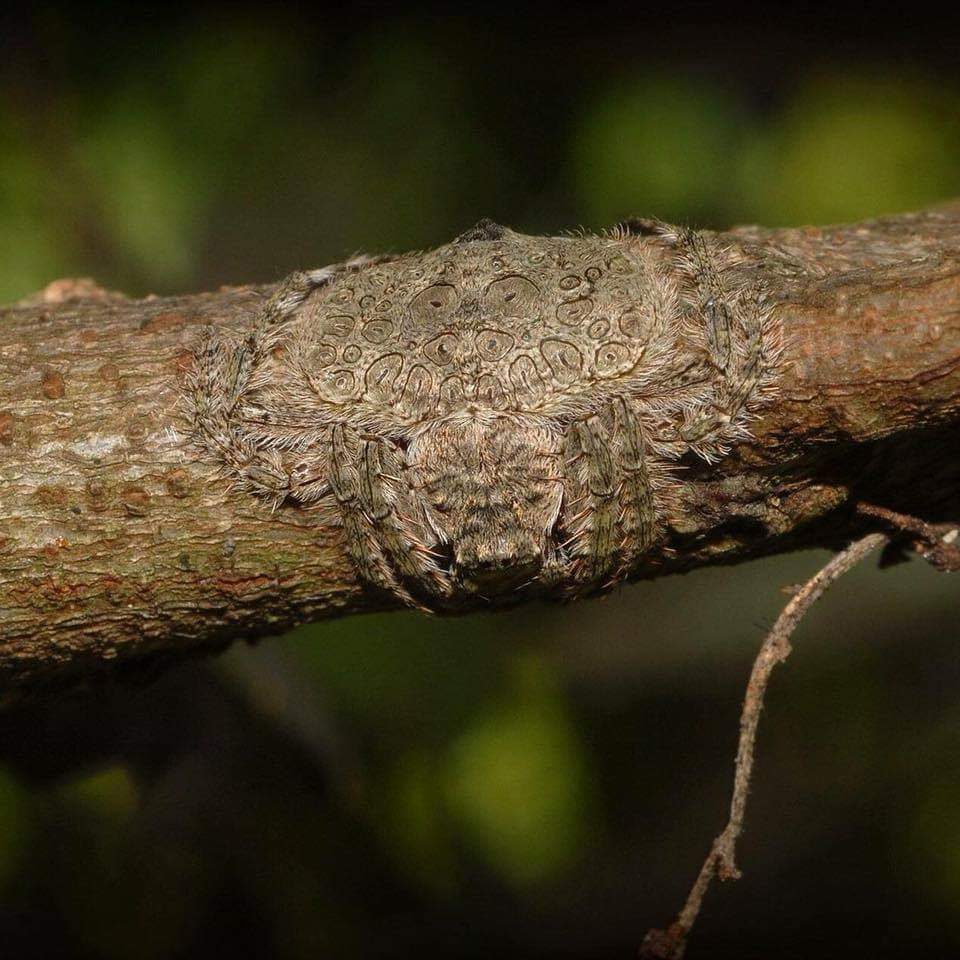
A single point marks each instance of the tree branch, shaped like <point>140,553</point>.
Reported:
<point>118,546</point>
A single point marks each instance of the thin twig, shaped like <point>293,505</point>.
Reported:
<point>937,543</point>
<point>669,944</point>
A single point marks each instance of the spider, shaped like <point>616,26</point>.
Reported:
<point>498,414</point>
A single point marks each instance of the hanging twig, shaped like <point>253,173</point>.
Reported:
<point>669,944</point>
<point>937,543</point>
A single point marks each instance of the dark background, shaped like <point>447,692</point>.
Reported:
<point>540,783</point>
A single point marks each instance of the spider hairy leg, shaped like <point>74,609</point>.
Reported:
<point>383,517</point>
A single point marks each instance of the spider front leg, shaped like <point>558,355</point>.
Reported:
<point>742,340</point>
<point>384,517</point>
<point>215,385</point>
<point>609,515</point>
<point>226,369</point>
<point>229,369</point>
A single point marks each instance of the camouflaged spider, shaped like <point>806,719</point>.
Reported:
<point>499,413</point>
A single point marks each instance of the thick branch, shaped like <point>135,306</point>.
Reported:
<point>117,545</point>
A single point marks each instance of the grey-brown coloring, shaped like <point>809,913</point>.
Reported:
<point>496,415</point>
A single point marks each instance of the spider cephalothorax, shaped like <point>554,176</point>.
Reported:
<point>498,412</point>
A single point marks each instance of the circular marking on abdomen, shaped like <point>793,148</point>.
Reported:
<point>563,358</point>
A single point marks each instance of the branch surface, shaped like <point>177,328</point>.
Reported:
<point>118,546</point>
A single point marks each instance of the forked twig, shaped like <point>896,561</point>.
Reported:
<point>937,543</point>
<point>669,944</point>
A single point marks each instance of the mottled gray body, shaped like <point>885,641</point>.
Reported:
<point>498,412</point>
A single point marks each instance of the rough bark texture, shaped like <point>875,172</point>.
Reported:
<point>118,547</point>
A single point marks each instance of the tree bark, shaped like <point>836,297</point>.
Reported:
<point>119,547</point>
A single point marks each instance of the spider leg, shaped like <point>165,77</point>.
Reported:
<point>214,387</point>
<point>223,374</point>
<point>589,519</point>
<point>639,519</point>
<point>743,346</point>
<point>610,516</point>
<point>388,535</point>
<point>228,370</point>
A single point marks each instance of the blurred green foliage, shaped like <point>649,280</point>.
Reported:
<point>516,780</point>
<point>841,147</point>
<point>241,148</point>
<point>659,140</point>
<point>497,759</point>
